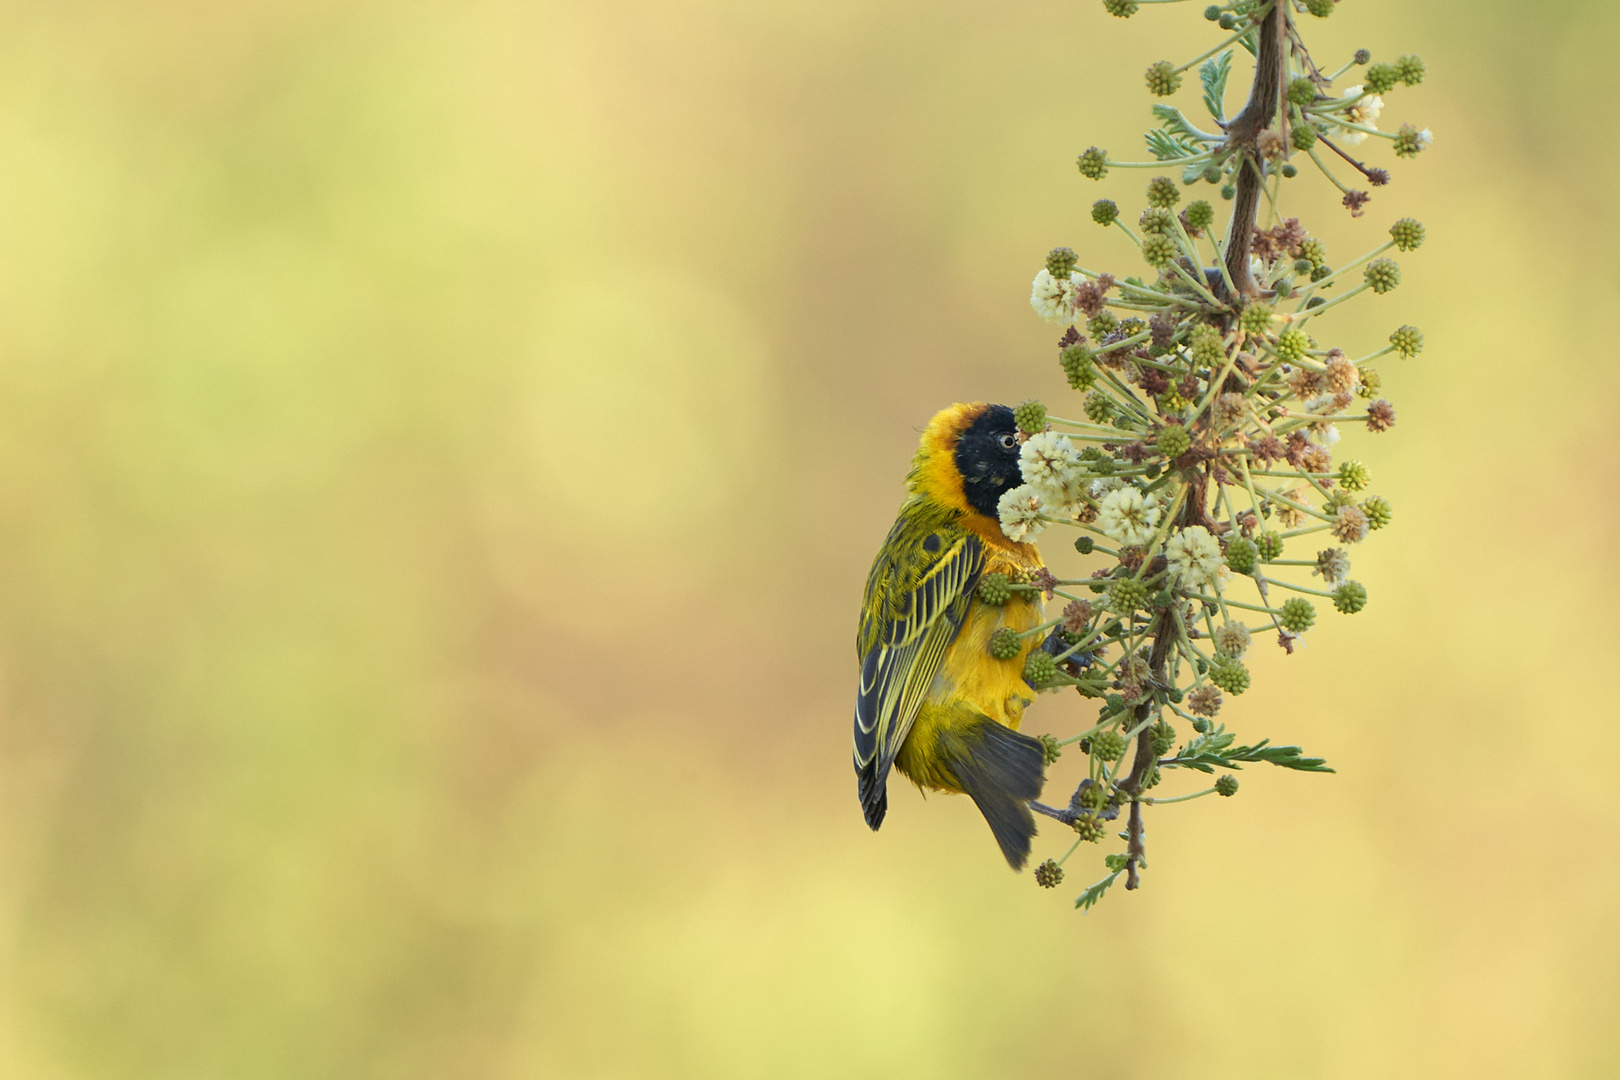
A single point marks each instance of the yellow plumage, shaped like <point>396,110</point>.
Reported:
<point>934,702</point>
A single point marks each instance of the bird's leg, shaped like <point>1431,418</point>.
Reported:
<point>1075,810</point>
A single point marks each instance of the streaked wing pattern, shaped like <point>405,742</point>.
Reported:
<point>905,641</point>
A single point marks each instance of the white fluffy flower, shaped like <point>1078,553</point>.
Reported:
<point>1321,405</point>
<point>1103,485</point>
<point>1324,434</point>
<point>1020,513</point>
<point>1064,496</point>
<point>1364,112</point>
<point>1127,517</point>
<point>1195,556</point>
<point>1046,457</point>
<point>1053,298</point>
<point>1425,138</point>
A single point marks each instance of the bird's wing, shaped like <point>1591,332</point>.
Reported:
<point>915,602</point>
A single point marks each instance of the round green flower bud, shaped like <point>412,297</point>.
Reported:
<point>1040,668</point>
<point>1212,12</point>
<point>1099,410</point>
<point>1226,786</point>
<point>1105,211</point>
<point>1362,57</point>
<point>1004,643</point>
<point>1410,69</point>
<point>1060,262</point>
<point>1336,499</point>
<point>1318,274</point>
<point>1242,555</point>
<point>1371,381</point>
<point>1131,326</point>
<point>1408,341</point>
<point>1157,221</point>
<point>1090,829</point>
<point>1350,597</point>
<point>1228,192</point>
<point>1378,511</point>
<point>1200,215</point>
<point>1078,366</point>
<point>1207,347</point>
<point>1120,9</point>
<point>1113,704</point>
<point>1407,234</point>
<point>1085,545</point>
<point>1270,546</point>
<point>1050,750</point>
<point>1175,695</point>
<point>1312,251</point>
<point>995,589</point>
<point>1354,476</point>
<point>1159,251</point>
<point>1213,174</point>
<point>1289,171</point>
<point>1302,91</point>
<point>1292,345</point>
<point>1227,21</point>
<point>1048,875</point>
<point>1382,275</point>
<point>1409,141</point>
<point>1126,595</point>
<point>1164,739</point>
<point>1320,8</point>
<point>1302,266</point>
<point>1303,136</point>
<point>1030,416</point>
<point>1093,163</point>
<point>1229,674</point>
<point>1102,324</point>
<point>1163,192</point>
<point>1162,78</point>
<point>1256,318</point>
<point>1380,79</point>
<point>1108,746</point>
<point>1298,614</point>
<point>1173,441</point>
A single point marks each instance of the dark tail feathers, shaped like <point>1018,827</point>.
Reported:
<point>874,794</point>
<point>1001,771</point>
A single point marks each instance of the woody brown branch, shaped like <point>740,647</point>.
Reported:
<point>1164,639</point>
<point>1243,134</point>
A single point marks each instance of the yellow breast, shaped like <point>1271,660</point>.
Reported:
<point>971,682</point>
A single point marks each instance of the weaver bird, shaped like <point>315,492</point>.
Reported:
<point>933,701</point>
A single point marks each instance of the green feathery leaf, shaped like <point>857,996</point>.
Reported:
<point>1212,73</point>
<point>1095,892</point>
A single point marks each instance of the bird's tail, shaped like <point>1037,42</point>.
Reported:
<point>1001,771</point>
<point>874,793</point>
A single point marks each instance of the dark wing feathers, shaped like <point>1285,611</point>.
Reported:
<point>914,606</point>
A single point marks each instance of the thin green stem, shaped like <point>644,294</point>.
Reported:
<point>1227,43</point>
<point>1178,798</point>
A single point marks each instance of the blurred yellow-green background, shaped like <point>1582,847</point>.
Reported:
<point>441,445</point>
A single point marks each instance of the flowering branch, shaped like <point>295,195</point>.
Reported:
<point>1210,421</point>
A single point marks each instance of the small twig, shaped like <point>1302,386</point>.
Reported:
<point>1375,177</point>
